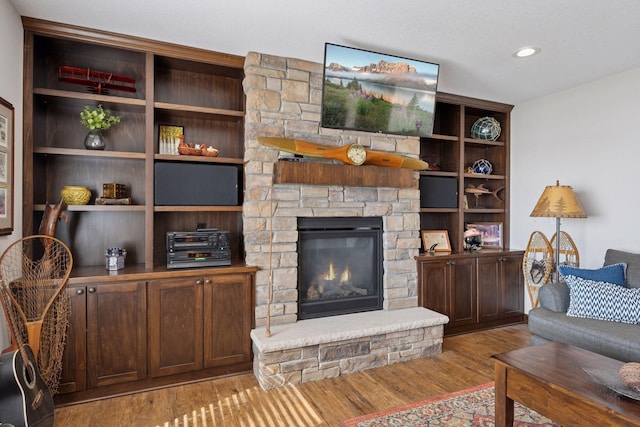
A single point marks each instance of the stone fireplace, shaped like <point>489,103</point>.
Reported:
<point>283,98</point>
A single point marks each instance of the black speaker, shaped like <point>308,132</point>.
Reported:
<point>196,184</point>
<point>438,192</point>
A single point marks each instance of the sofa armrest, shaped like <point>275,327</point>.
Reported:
<point>555,297</point>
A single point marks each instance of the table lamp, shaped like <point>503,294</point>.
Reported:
<point>558,201</point>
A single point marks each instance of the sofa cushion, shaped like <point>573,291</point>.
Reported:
<point>613,273</point>
<point>554,297</point>
<point>602,300</point>
<point>632,260</point>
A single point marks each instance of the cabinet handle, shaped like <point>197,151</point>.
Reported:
<point>79,291</point>
<point>208,281</point>
<point>92,290</point>
<point>199,282</point>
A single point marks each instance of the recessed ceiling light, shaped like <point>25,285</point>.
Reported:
<point>526,51</point>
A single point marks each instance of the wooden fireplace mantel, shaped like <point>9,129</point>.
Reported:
<point>317,173</point>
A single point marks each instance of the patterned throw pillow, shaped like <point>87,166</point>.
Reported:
<point>602,300</point>
<point>614,273</point>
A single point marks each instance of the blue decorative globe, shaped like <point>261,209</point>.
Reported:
<point>486,128</point>
<point>482,166</point>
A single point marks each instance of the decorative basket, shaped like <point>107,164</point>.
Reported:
<point>210,151</point>
<point>187,150</point>
<point>75,195</point>
<point>630,375</point>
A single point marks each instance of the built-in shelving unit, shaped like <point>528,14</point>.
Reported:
<point>145,326</point>
<point>197,89</point>
<point>453,151</point>
<point>476,290</point>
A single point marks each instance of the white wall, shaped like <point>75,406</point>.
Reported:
<point>587,137</point>
<point>11,41</point>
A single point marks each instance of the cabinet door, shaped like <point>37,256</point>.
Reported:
<point>512,286</point>
<point>228,318</point>
<point>434,292</point>
<point>175,326</point>
<point>489,289</point>
<point>116,333</point>
<point>74,360</point>
<point>463,293</point>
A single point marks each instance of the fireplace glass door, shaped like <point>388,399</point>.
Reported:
<point>339,266</point>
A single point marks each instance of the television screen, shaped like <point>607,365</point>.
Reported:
<point>374,92</point>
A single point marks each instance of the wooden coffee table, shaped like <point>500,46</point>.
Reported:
<point>549,379</point>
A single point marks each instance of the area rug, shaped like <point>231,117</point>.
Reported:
<point>472,407</point>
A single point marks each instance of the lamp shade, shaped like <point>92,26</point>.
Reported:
<point>559,201</point>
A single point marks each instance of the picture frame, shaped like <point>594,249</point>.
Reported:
<point>7,134</point>
<point>168,138</point>
<point>490,232</point>
<point>436,239</point>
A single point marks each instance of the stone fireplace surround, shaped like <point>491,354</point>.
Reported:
<point>283,98</point>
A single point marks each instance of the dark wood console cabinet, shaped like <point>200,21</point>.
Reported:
<point>138,330</point>
<point>477,290</point>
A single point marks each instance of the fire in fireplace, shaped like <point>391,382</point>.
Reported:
<point>339,265</point>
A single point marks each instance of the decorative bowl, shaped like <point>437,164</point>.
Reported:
<point>75,195</point>
<point>630,375</point>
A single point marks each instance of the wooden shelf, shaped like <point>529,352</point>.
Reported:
<point>87,153</point>
<point>97,208</point>
<point>204,159</point>
<point>189,109</point>
<point>316,173</point>
<point>197,209</point>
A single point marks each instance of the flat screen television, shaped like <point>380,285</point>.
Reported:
<point>369,91</point>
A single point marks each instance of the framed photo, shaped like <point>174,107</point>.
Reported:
<point>6,166</point>
<point>490,232</point>
<point>168,138</point>
<point>436,241</point>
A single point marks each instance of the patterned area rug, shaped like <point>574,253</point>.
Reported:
<point>473,407</point>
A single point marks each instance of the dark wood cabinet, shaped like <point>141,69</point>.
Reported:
<point>175,326</point>
<point>450,289</point>
<point>116,333</point>
<point>106,342</point>
<point>475,290</point>
<point>199,322</point>
<point>74,361</point>
<point>139,330</point>
<point>497,296</point>
<point>228,310</point>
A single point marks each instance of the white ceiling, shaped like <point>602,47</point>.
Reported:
<point>473,41</point>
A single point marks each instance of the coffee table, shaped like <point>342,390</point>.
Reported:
<point>549,379</point>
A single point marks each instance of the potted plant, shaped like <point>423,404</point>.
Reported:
<point>97,120</point>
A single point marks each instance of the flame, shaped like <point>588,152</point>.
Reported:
<point>331,275</point>
<point>346,275</point>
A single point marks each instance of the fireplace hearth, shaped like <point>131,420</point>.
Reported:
<point>339,266</point>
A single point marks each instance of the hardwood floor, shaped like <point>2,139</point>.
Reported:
<point>239,400</point>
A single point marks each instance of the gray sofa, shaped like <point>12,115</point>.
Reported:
<point>549,321</point>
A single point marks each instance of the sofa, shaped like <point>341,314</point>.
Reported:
<point>613,338</point>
